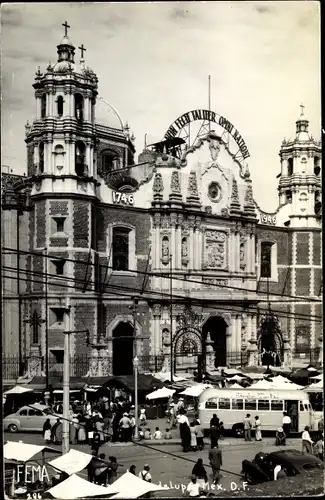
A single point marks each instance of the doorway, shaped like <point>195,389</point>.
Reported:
<point>123,339</point>
<point>217,327</point>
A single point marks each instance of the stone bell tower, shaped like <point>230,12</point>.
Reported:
<point>300,180</point>
<point>62,173</point>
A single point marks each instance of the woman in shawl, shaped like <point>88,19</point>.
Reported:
<point>47,431</point>
<point>200,472</point>
<point>100,429</point>
<point>193,436</point>
<point>58,432</point>
<point>258,432</point>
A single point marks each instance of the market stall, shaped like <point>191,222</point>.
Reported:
<point>76,487</point>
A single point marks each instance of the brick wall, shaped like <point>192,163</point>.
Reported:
<point>56,337</point>
<point>302,248</point>
<point>316,249</point>
<point>303,282</point>
<point>318,277</point>
<point>59,207</point>
<point>83,271</point>
<point>30,160</point>
<point>81,229</point>
<point>318,324</point>
<point>38,267</point>
<point>84,318</point>
<point>40,223</point>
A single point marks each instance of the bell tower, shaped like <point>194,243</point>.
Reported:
<point>300,180</point>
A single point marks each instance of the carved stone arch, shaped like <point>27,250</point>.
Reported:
<point>225,316</point>
<point>122,318</point>
<point>190,335</point>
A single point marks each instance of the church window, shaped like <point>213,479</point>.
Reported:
<point>290,167</point>
<point>60,105</point>
<point>59,224</point>
<point>316,165</point>
<point>110,161</point>
<point>302,338</point>
<point>120,248</point>
<point>59,267</point>
<point>214,191</point>
<point>41,157</point>
<point>80,158</point>
<point>79,107</point>
<point>266,253</point>
<point>58,315</point>
<point>318,203</point>
<point>43,106</point>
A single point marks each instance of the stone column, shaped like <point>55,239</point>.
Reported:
<point>232,253</point>
<point>252,345</point>
<point>173,245</point>
<point>38,108</point>
<point>93,363</point>
<point>103,362</point>
<point>200,249</point>
<point>191,249</point>
<point>178,248</point>
<point>72,147</point>
<point>209,355</point>
<point>156,329</point>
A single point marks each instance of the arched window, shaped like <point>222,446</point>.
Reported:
<point>290,166</point>
<point>120,248</point>
<point>79,107</point>
<point>60,105</point>
<point>318,203</point>
<point>43,106</point>
<point>110,161</point>
<point>316,165</point>
<point>289,196</point>
<point>266,254</point>
<point>80,158</point>
<point>41,157</point>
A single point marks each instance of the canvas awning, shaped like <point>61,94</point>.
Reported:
<point>74,461</point>
<point>77,487</point>
<point>18,389</point>
<point>131,486</point>
<point>161,393</point>
<point>23,452</point>
<point>237,378</point>
<point>145,382</point>
<point>39,383</point>
<point>195,390</point>
<point>317,387</point>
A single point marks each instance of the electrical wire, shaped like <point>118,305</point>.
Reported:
<point>9,251</point>
<point>195,301</point>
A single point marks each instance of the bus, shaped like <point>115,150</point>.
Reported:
<point>232,405</point>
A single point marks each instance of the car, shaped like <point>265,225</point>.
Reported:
<point>293,462</point>
<point>29,418</point>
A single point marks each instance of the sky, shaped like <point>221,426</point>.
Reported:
<point>153,61</point>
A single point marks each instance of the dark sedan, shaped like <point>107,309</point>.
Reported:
<point>292,462</point>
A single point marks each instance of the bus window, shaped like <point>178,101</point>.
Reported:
<point>237,404</point>
<point>250,404</point>
<point>301,406</point>
<point>306,406</point>
<point>276,405</point>
<point>224,404</point>
<point>263,404</point>
<point>212,403</point>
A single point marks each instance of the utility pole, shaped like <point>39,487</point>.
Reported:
<point>136,366</point>
<point>171,317</point>
<point>66,390</point>
<point>46,322</point>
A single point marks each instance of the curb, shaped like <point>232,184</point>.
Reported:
<point>170,442</point>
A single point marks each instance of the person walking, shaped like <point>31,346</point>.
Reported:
<point>214,422</point>
<point>125,427</point>
<point>199,435</point>
<point>132,427</point>
<point>47,431</point>
<point>113,466</point>
<point>215,458</point>
<point>258,431</point>
<point>145,474</point>
<point>247,427</point>
<point>100,429</point>
<point>74,424</point>
<point>193,443</point>
<point>184,430</point>
<point>143,416</point>
<point>307,442</point>
<point>286,423</point>
<point>200,472</point>
<point>95,443</point>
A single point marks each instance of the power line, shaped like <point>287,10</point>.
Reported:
<point>133,291</point>
<point>161,275</point>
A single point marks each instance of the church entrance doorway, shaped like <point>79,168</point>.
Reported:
<point>217,327</point>
<point>270,341</point>
<point>123,339</point>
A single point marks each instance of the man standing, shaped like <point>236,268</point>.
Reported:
<point>307,442</point>
<point>215,458</point>
<point>125,427</point>
<point>286,423</point>
<point>248,427</point>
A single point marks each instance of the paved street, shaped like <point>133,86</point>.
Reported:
<point>169,464</point>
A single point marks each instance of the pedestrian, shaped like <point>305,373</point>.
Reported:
<point>143,416</point>
<point>307,442</point>
<point>57,432</point>
<point>200,472</point>
<point>157,434</point>
<point>199,435</point>
<point>113,466</point>
<point>47,431</point>
<point>184,430</point>
<point>101,471</point>
<point>193,436</point>
<point>247,427</point>
<point>214,422</point>
<point>132,470</point>
<point>73,428</point>
<point>106,427</point>
<point>319,448</point>
<point>193,488</point>
<point>145,474</point>
<point>172,415</point>
<point>100,429</point>
<point>132,426</point>
<point>215,458</point>
<point>125,427</point>
<point>280,437</point>
<point>214,435</point>
<point>81,431</point>
<point>286,424</point>
<point>95,442</point>
<point>91,468</point>
<point>258,432</point>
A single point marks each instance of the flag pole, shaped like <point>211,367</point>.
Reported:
<point>209,99</point>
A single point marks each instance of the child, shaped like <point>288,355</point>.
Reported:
<point>280,437</point>
<point>199,435</point>
<point>147,434</point>
<point>143,416</point>
<point>168,434</point>
<point>157,434</point>
<point>319,448</point>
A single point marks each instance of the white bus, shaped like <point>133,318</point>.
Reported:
<point>232,405</point>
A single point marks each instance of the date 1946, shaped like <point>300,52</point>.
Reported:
<point>122,198</point>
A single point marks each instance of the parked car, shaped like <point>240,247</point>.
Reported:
<point>29,418</point>
<point>293,462</point>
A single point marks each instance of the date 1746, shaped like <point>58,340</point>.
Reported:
<point>123,198</point>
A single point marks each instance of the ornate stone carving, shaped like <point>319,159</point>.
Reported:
<point>158,186</point>
<point>165,222</point>
<point>184,251</point>
<point>242,252</point>
<point>175,188</point>
<point>173,220</point>
<point>214,281</point>
<point>34,366</point>
<point>234,203</point>
<point>215,249</point>
<point>156,220</point>
<point>193,194</point>
<point>214,146</point>
<point>156,308</point>
<point>189,318</point>
<point>180,220</point>
<point>249,206</point>
<point>165,253</point>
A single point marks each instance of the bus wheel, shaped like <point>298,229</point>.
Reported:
<point>238,430</point>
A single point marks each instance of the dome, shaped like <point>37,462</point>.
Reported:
<point>107,116</point>
<point>303,137</point>
<point>63,67</point>
<point>66,41</point>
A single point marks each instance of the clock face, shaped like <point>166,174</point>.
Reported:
<point>214,192</point>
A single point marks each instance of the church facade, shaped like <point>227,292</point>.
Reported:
<point>168,257</point>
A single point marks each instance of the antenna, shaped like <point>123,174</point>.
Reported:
<point>209,98</point>
<point>145,141</point>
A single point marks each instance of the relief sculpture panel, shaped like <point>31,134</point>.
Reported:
<point>215,249</point>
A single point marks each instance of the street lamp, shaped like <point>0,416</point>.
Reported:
<point>136,364</point>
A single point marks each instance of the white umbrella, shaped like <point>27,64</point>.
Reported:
<point>235,386</point>
<point>164,392</point>
<point>195,390</point>
<point>163,376</point>
<point>316,387</point>
<point>76,487</point>
<point>131,486</point>
<point>18,389</point>
<point>262,384</point>
<point>232,371</point>
<point>22,452</point>
<point>238,378</point>
<point>72,462</point>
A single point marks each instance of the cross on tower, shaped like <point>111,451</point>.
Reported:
<point>66,26</point>
<point>302,109</point>
<point>82,49</point>
<point>35,321</point>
